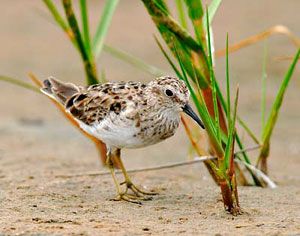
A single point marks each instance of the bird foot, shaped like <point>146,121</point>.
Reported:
<point>137,196</point>
<point>131,198</point>
<point>137,191</point>
<point>126,197</point>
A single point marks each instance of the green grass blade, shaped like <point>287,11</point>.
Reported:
<point>242,147</point>
<point>195,10</point>
<point>203,112</point>
<point>200,106</point>
<point>90,68</point>
<point>102,28</point>
<point>268,129</point>
<point>257,182</point>
<point>176,36</point>
<point>231,138</point>
<point>248,130</point>
<point>229,124</point>
<point>213,83</point>
<point>242,123</point>
<point>212,9</point>
<point>263,87</point>
<point>227,109</point>
<point>120,54</point>
<point>72,30</point>
<point>162,6</point>
<point>60,21</point>
<point>134,61</point>
<point>227,84</point>
<point>181,14</point>
<point>19,83</point>
<point>166,24</point>
<point>58,18</point>
<point>85,27</point>
<point>224,106</point>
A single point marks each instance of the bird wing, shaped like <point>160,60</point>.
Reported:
<point>94,103</point>
<point>98,101</point>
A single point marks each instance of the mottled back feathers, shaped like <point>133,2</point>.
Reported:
<point>94,103</point>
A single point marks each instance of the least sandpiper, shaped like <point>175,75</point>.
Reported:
<point>125,115</point>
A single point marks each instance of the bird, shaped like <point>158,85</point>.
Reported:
<point>125,115</point>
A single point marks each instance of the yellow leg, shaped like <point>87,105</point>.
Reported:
<point>110,165</point>
<point>136,198</point>
<point>129,185</point>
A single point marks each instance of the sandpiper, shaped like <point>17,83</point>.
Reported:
<point>125,115</point>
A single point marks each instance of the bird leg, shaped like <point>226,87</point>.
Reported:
<point>121,195</point>
<point>129,185</point>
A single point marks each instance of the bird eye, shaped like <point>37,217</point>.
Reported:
<point>169,93</point>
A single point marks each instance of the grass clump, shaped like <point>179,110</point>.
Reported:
<point>195,57</point>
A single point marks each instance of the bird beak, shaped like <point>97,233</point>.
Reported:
<point>188,110</point>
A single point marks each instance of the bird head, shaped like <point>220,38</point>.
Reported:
<point>174,95</point>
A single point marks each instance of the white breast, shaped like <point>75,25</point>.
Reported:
<point>117,131</point>
<point>114,133</point>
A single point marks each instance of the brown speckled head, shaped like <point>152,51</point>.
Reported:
<point>173,92</point>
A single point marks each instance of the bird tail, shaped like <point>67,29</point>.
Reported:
<point>59,90</point>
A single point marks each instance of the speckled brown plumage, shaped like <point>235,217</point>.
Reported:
<point>96,102</point>
<point>145,109</point>
<point>125,114</point>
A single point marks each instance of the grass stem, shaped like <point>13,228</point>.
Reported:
<point>89,66</point>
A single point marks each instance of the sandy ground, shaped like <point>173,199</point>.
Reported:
<point>37,144</point>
